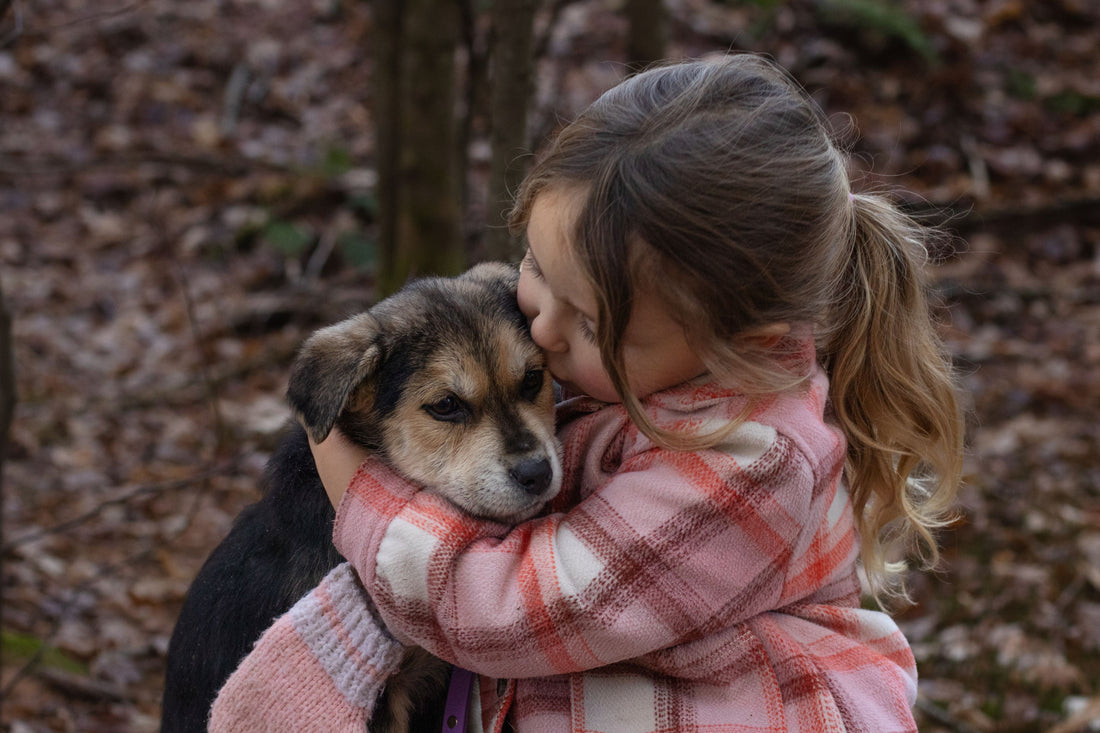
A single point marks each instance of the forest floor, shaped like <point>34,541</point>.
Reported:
<point>186,194</point>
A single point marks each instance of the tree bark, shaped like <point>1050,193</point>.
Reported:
<point>7,381</point>
<point>646,39</point>
<point>386,109</point>
<point>512,80</point>
<point>419,192</point>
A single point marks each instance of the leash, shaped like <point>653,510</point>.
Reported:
<point>458,698</point>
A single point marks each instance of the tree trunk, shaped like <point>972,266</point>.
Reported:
<point>512,79</point>
<point>386,108</point>
<point>473,118</point>
<point>646,39</point>
<point>419,191</point>
<point>7,382</point>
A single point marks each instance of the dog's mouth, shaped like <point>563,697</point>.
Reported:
<point>509,493</point>
<point>531,508</point>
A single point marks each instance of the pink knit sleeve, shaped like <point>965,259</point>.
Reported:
<point>320,667</point>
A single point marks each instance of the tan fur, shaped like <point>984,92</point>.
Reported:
<point>461,340</point>
<point>418,670</point>
<point>468,463</point>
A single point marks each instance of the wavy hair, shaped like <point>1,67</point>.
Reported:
<point>719,183</point>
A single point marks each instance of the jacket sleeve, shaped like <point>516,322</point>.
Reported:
<point>669,548</point>
<point>320,667</point>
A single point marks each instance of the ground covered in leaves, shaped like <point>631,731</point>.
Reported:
<point>186,192</point>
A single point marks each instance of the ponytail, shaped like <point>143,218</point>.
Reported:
<point>718,184</point>
<point>893,394</point>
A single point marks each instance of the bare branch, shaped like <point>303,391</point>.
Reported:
<point>137,492</point>
<point>22,166</point>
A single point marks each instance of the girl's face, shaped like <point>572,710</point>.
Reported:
<point>560,305</point>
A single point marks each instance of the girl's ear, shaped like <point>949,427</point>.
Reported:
<point>331,364</point>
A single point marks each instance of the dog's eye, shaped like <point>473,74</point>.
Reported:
<point>448,409</point>
<point>532,384</point>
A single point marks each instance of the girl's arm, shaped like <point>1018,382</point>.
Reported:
<point>672,547</point>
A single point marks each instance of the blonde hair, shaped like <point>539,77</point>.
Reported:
<point>722,177</point>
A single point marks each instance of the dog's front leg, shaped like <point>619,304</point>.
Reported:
<point>414,697</point>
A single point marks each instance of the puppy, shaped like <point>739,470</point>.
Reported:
<point>443,381</point>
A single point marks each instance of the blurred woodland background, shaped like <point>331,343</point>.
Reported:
<point>187,189</point>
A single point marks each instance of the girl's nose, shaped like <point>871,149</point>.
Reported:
<point>546,334</point>
<point>538,306</point>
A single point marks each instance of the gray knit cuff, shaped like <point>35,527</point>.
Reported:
<point>338,622</point>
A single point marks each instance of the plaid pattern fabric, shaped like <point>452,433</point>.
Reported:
<point>663,591</point>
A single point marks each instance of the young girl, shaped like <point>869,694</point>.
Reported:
<point>756,398</point>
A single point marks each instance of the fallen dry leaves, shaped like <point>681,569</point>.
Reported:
<point>160,163</point>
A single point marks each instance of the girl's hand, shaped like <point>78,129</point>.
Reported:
<point>337,460</point>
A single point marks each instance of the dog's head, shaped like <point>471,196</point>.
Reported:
<point>443,380</point>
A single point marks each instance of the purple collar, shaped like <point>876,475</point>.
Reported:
<point>458,700</point>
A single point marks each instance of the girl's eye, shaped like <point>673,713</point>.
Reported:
<point>588,332</point>
<point>531,266</point>
<point>448,409</point>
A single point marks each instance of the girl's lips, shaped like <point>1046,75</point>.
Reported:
<point>568,390</point>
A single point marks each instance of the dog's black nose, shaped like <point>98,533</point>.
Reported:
<point>532,475</point>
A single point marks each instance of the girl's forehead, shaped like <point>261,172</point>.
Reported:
<point>550,231</point>
<point>562,202</point>
<point>551,227</point>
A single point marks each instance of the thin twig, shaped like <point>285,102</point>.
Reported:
<point>77,685</point>
<point>205,358</point>
<point>232,100</point>
<point>134,493</point>
<point>221,164</point>
<point>63,616</point>
<point>89,18</point>
<point>325,247</point>
<point>95,688</point>
<point>930,710</point>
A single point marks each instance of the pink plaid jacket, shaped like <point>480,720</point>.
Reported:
<point>664,591</point>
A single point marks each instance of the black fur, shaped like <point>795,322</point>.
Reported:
<point>278,550</point>
<point>281,547</point>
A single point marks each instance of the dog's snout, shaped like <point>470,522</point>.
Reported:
<point>532,475</point>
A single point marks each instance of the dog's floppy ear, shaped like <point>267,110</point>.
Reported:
<point>495,274</point>
<point>331,364</point>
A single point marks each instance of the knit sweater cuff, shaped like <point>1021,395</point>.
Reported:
<point>318,669</point>
<point>339,624</point>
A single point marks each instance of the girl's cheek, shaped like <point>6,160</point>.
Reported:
<point>593,380</point>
